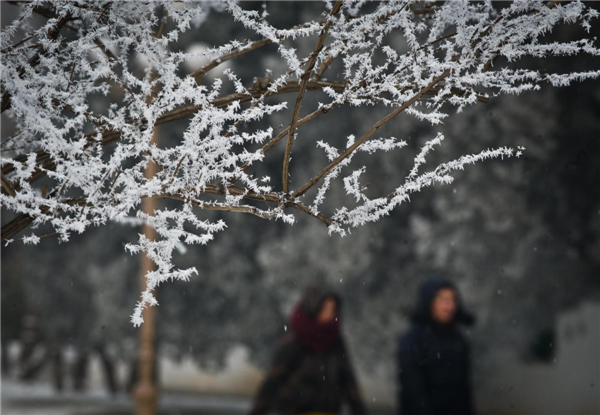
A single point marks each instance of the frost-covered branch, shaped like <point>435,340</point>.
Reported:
<point>88,87</point>
<point>303,84</point>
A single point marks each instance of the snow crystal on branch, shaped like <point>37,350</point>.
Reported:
<point>418,58</point>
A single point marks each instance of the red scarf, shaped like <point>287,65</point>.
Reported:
<point>318,337</point>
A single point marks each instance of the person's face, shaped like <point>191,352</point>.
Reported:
<point>328,311</point>
<point>444,306</point>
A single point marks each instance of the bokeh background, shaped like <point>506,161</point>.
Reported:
<point>519,237</point>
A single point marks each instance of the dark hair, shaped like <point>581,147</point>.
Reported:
<point>315,295</point>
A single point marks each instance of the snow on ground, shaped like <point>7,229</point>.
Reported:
<point>40,399</point>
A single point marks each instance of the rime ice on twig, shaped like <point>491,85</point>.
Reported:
<point>453,55</point>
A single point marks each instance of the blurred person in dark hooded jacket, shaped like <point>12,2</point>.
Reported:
<point>434,366</point>
<point>311,371</point>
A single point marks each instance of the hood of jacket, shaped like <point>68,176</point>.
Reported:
<point>427,291</point>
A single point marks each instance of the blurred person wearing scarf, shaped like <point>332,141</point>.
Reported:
<point>311,373</point>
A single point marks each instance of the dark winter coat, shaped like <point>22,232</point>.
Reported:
<point>434,371</point>
<point>303,377</point>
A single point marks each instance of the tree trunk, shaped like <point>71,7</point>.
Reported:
<point>57,367</point>
<point>31,367</point>
<point>109,370</point>
<point>80,370</point>
<point>146,392</point>
<point>5,362</point>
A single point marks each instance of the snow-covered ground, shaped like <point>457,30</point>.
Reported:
<point>40,399</point>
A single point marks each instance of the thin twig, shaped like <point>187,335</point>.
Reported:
<point>323,67</point>
<point>177,168</point>
<point>366,136</point>
<point>9,48</point>
<point>305,77</point>
<point>322,110</point>
<point>211,206</point>
<point>40,237</point>
<point>7,186</point>
<point>236,53</point>
<point>71,77</point>
<point>113,182</point>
